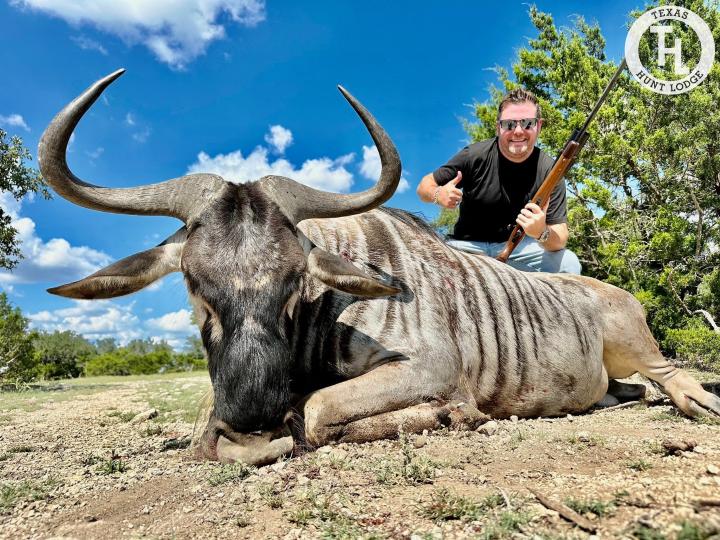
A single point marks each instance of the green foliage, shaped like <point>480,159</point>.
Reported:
<point>644,205</point>
<point>61,355</point>
<point>112,465</point>
<point>106,345</point>
<point>597,507</point>
<point>446,506</point>
<point>14,493</point>
<point>17,361</point>
<point>696,344</point>
<point>125,362</point>
<point>147,346</point>
<point>230,473</point>
<point>412,468</point>
<point>445,222</point>
<point>194,347</point>
<point>18,180</point>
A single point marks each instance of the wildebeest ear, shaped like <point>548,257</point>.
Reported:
<point>130,274</point>
<point>339,274</point>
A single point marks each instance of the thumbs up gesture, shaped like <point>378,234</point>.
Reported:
<point>449,196</point>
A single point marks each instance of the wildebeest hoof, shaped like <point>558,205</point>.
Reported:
<point>607,401</point>
<point>466,416</point>
<point>626,391</point>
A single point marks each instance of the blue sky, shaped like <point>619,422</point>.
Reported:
<point>243,88</point>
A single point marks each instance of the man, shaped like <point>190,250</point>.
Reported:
<point>492,182</point>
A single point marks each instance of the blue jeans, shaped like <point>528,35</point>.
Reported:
<point>529,256</point>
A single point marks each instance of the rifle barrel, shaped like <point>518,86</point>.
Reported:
<point>600,101</point>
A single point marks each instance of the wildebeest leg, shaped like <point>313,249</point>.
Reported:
<point>373,405</point>
<point>629,348</point>
<point>412,419</point>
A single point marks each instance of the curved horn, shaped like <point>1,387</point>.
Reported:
<point>180,197</point>
<point>299,201</point>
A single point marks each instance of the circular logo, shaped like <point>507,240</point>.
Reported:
<point>671,55</point>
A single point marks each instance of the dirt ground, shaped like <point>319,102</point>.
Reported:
<point>75,462</point>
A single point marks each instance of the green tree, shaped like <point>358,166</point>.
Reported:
<point>17,361</point>
<point>644,209</point>
<point>147,346</point>
<point>62,354</point>
<point>194,347</point>
<point>106,345</point>
<point>18,180</point>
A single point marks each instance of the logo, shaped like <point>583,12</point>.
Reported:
<point>663,33</point>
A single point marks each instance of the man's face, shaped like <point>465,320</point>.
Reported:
<point>517,144</point>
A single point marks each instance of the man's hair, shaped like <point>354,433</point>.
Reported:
<point>519,95</point>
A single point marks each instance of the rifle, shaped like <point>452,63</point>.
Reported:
<point>562,164</point>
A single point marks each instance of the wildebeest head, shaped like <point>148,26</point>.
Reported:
<point>242,257</point>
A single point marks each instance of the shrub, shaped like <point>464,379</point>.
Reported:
<point>124,362</point>
<point>695,344</point>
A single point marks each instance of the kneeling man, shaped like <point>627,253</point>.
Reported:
<point>498,177</point>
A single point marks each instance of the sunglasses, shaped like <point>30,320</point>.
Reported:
<point>525,123</point>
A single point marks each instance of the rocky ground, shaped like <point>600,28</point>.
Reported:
<point>78,462</point>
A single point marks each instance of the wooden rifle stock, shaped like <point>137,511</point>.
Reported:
<point>553,178</point>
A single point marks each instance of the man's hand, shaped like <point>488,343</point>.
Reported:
<point>449,196</point>
<point>532,219</point>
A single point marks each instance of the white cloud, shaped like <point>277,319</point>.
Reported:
<point>279,138</point>
<point>176,322</point>
<point>371,167</point>
<point>176,31</point>
<point>142,135</point>
<point>53,261</point>
<point>97,319</point>
<point>14,120</point>
<point>95,153</point>
<point>94,319</point>
<point>321,173</point>
<point>87,44</point>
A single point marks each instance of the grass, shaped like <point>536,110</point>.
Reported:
<point>643,532</point>
<point>123,416</point>
<point>411,469</point>
<point>640,465</point>
<point>517,438</point>
<point>444,506</point>
<point>174,402</point>
<point>12,494</point>
<point>505,525</point>
<point>325,514</point>
<point>597,507</point>
<point>667,416</point>
<point>592,440</point>
<point>113,465</point>
<point>232,472</point>
<point>655,448</point>
<point>33,398</point>
<point>270,494</point>
<point>706,420</point>
<point>690,530</point>
<point>36,399</point>
<point>152,430</point>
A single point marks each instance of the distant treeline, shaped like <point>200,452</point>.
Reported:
<point>27,355</point>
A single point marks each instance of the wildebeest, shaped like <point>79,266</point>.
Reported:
<point>343,320</point>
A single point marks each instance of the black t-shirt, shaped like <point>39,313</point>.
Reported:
<point>495,190</point>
